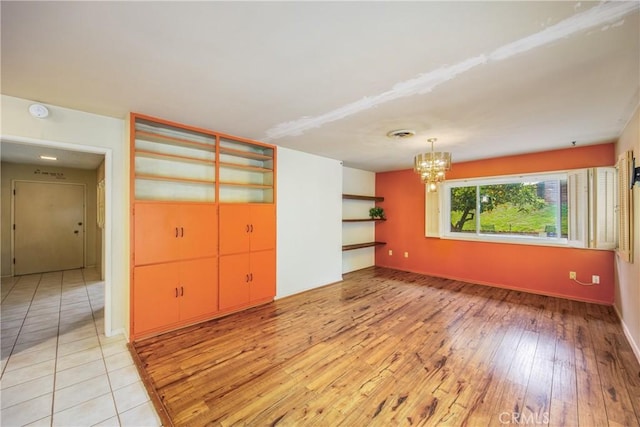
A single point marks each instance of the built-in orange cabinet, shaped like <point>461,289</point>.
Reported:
<point>247,227</point>
<point>174,231</point>
<point>262,275</point>
<point>170,293</point>
<point>247,254</point>
<point>247,278</point>
<point>196,192</point>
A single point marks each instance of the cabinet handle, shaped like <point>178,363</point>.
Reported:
<point>181,291</point>
<point>176,231</point>
<point>246,278</point>
<point>252,228</point>
<point>247,228</point>
<point>181,231</point>
<point>176,292</point>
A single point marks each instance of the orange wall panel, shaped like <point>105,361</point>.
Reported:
<point>537,269</point>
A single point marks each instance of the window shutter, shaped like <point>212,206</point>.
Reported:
<point>577,200</point>
<point>432,213</point>
<point>602,203</point>
<point>625,242</point>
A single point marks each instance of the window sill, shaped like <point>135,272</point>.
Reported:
<point>531,241</point>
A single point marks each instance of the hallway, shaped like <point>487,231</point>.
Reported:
<point>58,367</point>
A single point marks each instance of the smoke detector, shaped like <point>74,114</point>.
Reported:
<point>38,111</point>
<point>401,133</point>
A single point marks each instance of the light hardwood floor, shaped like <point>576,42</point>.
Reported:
<point>386,348</point>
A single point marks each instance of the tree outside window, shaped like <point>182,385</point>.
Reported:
<point>532,208</point>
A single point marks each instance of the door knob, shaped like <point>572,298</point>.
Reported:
<point>79,223</point>
<point>76,231</point>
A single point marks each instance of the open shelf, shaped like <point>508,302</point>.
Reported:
<point>361,245</point>
<point>358,197</point>
<point>245,167</point>
<point>174,179</point>
<point>246,154</point>
<point>176,157</point>
<point>246,185</point>
<point>364,219</point>
<point>162,139</point>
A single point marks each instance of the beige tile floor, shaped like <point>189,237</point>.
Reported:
<point>58,368</point>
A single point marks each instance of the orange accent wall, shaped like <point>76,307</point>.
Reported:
<point>536,269</point>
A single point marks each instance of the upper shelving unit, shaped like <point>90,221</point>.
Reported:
<point>172,163</point>
<point>181,163</point>
<point>245,172</point>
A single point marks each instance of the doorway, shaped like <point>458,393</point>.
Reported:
<point>19,150</point>
<point>49,226</point>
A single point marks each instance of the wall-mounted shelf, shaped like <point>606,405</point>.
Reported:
<point>358,197</point>
<point>364,219</point>
<point>361,245</point>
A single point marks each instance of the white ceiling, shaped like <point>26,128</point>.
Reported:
<point>332,78</point>
<point>29,154</point>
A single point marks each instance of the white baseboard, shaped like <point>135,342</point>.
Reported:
<point>627,333</point>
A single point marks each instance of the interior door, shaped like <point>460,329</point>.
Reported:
<point>49,227</point>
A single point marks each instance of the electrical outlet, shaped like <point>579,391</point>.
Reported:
<point>595,279</point>
<point>572,275</point>
<point>406,254</point>
<point>390,252</point>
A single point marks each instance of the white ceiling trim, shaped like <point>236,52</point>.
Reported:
<point>608,14</point>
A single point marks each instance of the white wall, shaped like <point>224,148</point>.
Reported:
<point>309,221</point>
<point>627,298</point>
<point>77,130</point>
<point>363,183</point>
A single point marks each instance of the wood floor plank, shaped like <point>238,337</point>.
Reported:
<point>606,342</point>
<point>386,347</point>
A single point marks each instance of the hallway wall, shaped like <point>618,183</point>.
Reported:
<point>15,171</point>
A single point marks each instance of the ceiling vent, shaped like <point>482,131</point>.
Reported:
<point>401,133</point>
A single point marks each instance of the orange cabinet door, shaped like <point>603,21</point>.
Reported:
<point>156,232</point>
<point>263,275</point>
<point>234,281</point>
<point>234,229</point>
<point>263,227</point>
<point>198,288</point>
<point>155,297</point>
<point>198,231</point>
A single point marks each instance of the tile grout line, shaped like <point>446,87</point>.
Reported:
<point>104,361</point>
<point>55,365</point>
<point>13,285</point>
<point>13,347</point>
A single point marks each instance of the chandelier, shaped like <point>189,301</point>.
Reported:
<point>432,166</point>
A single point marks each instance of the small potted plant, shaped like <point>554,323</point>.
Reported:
<point>376,213</point>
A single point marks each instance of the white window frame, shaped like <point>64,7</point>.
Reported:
<point>591,209</point>
<point>445,227</point>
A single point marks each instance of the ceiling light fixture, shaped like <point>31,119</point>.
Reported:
<point>432,166</point>
<point>48,158</point>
